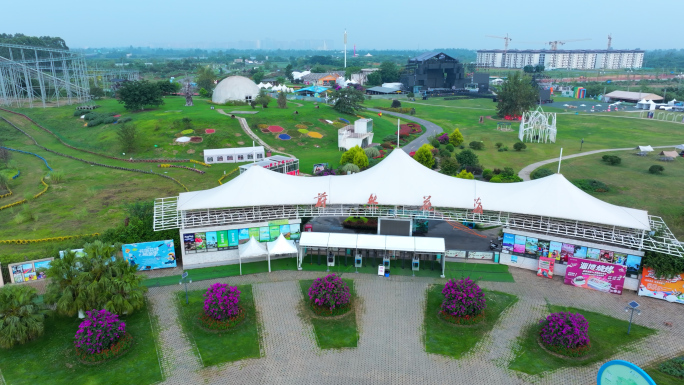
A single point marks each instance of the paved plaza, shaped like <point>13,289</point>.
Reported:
<point>390,348</point>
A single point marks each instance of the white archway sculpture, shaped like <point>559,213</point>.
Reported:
<point>538,126</point>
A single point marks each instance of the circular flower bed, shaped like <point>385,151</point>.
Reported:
<point>209,131</point>
<point>300,126</point>
<point>196,139</point>
<point>284,137</point>
<point>329,296</point>
<point>187,132</point>
<point>275,129</point>
<point>221,307</point>
<point>314,135</point>
<point>566,334</point>
<point>464,302</point>
<point>101,336</point>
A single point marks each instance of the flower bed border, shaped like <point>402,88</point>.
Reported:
<point>325,313</point>
<point>222,326</point>
<point>87,359</point>
<point>461,321</point>
<point>586,349</point>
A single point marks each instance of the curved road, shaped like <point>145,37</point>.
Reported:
<point>430,129</point>
<point>527,170</point>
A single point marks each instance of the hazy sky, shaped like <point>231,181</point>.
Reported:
<point>371,24</point>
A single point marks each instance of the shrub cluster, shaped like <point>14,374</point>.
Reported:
<point>612,160</point>
<point>565,333</point>
<point>463,298</point>
<point>591,185</point>
<point>673,367</point>
<point>656,169</point>
<point>541,173</point>
<point>330,293</point>
<point>221,301</point>
<point>99,331</point>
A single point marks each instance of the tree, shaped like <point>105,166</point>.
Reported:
<point>389,72</point>
<point>467,158</point>
<point>62,291</point>
<point>355,155</point>
<point>349,71</point>
<point>281,80</point>
<point>288,72</point>
<point>318,70</point>
<point>204,93</point>
<point>168,88</point>
<point>519,146</point>
<point>258,76</point>
<point>374,78</point>
<point>4,182</point>
<point>348,100</point>
<point>96,92</point>
<point>5,155</point>
<point>456,138</point>
<point>465,175</point>
<point>396,103</point>
<point>127,137</point>
<point>282,100</point>
<point>205,78</point>
<point>424,156</point>
<point>20,317</point>
<point>517,95</point>
<point>136,95</point>
<point>449,166</point>
<point>262,98</point>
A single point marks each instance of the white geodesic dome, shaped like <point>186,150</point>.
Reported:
<point>235,88</point>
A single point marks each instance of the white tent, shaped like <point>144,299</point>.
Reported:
<point>280,246</point>
<point>251,249</point>
<point>553,196</point>
<point>645,148</point>
<point>371,242</point>
<point>396,243</point>
<point>680,147</point>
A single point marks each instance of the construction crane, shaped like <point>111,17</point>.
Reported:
<point>507,40</point>
<point>554,44</point>
<point>610,39</point>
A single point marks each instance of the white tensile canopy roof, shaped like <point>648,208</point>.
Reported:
<point>252,249</point>
<point>373,242</point>
<point>644,148</point>
<point>281,246</point>
<point>400,180</point>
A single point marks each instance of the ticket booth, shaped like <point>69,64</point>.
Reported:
<point>415,263</point>
<point>358,261</point>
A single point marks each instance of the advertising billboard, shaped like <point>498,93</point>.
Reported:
<point>150,255</point>
<point>264,234</point>
<point>274,232</point>
<point>508,242</point>
<point>212,241</point>
<point>555,250</point>
<point>295,231</point>
<point>481,254</point>
<point>531,245</point>
<point>222,239</point>
<point>670,290</point>
<point>601,276</point>
<point>253,232</point>
<point>28,271</point>
<point>233,239</point>
<point>545,267</point>
<point>189,242</point>
<point>243,236</point>
<point>200,242</point>
<point>285,230</point>
<point>543,248</point>
<point>519,245</point>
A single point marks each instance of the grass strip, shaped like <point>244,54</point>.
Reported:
<point>336,333</point>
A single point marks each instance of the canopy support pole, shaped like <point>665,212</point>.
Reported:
<point>269,262</point>
<point>240,259</point>
<point>443,266</point>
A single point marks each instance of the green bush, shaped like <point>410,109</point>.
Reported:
<point>435,143</point>
<point>487,174</point>
<point>673,367</point>
<point>540,173</point>
<point>95,122</point>
<point>475,145</point>
<point>498,144</point>
<point>612,160</point>
<point>78,113</point>
<point>396,103</point>
<point>21,320</point>
<point>519,146</point>
<point>108,120</point>
<point>656,169</point>
<point>124,120</point>
<point>450,147</point>
<point>591,185</point>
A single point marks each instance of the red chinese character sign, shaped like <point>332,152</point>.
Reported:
<point>322,199</point>
<point>477,207</point>
<point>427,206</point>
<point>373,201</point>
<point>601,276</point>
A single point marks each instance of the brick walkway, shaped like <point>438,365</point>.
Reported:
<point>390,349</point>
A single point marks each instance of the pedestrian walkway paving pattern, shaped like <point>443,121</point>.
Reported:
<point>390,348</point>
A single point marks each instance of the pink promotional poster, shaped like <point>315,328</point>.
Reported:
<point>601,276</point>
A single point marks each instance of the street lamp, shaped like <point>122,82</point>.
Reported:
<point>186,281</point>
<point>632,306</point>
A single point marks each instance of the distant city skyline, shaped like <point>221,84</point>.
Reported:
<point>209,24</point>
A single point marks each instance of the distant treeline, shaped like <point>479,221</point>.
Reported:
<point>665,58</point>
<point>31,41</point>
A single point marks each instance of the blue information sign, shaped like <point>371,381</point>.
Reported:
<point>150,255</point>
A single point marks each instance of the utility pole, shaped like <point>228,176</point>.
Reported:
<point>345,48</point>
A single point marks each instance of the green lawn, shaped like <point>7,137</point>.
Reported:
<point>51,358</point>
<point>332,333</point>
<point>216,348</point>
<point>454,341</point>
<point>478,271</point>
<point>633,186</point>
<point>608,336</point>
<point>662,378</point>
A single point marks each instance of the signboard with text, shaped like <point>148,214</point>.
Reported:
<point>670,290</point>
<point>595,275</point>
<point>545,268</point>
<point>150,255</point>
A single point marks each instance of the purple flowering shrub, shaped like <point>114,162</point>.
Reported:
<point>463,298</point>
<point>566,333</point>
<point>99,331</point>
<point>443,139</point>
<point>221,301</point>
<point>329,292</point>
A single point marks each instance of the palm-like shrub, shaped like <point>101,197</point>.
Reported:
<point>330,293</point>
<point>565,333</point>
<point>62,289</point>
<point>463,299</point>
<point>20,318</point>
<point>221,301</point>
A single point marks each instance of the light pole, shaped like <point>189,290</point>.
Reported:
<point>632,306</point>
<point>186,281</point>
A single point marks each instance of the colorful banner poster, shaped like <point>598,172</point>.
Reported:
<point>580,252</point>
<point>151,255</point>
<point>274,232</point>
<point>29,272</point>
<point>545,267</point>
<point>531,245</point>
<point>605,277</point>
<point>633,265</point>
<point>508,242</point>
<point>519,245</point>
<point>200,242</point>
<point>481,255</point>
<point>40,268</point>
<point>222,242</point>
<point>254,232</point>
<point>243,236</point>
<point>264,234</point>
<point>212,241</point>
<point>671,290</point>
<point>619,258</point>
<point>285,230</point>
<point>17,273</point>
<point>189,242</point>
<point>279,222</point>
<point>567,251</point>
<point>455,254</point>
<point>295,231</point>
<point>543,248</point>
<point>593,253</point>
<point>555,250</point>
<point>606,256</point>
<point>233,239</point>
